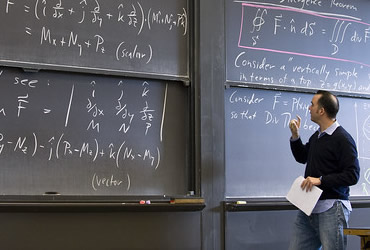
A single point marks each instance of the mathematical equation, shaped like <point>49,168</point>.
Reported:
<point>307,28</point>
<point>273,115</point>
<point>289,46</point>
<point>59,147</point>
<point>92,107</point>
<point>64,120</point>
<point>267,113</point>
<point>123,33</point>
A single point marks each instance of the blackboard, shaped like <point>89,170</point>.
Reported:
<point>259,229</point>
<point>265,230</point>
<point>116,37</point>
<point>86,134</point>
<point>299,44</point>
<point>258,159</point>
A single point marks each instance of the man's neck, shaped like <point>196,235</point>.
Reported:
<point>325,124</point>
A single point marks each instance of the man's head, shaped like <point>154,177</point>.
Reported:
<point>324,103</point>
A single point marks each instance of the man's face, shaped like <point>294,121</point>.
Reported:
<point>315,108</point>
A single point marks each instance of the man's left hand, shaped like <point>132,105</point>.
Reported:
<point>309,182</point>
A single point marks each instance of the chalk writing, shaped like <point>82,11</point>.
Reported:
<point>271,116</point>
<point>257,135</point>
<point>98,182</point>
<point>109,128</point>
<point>299,45</point>
<point>97,35</point>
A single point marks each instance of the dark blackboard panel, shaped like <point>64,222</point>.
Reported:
<point>259,230</point>
<point>116,37</point>
<point>258,159</point>
<point>80,134</point>
<point>318,45</point>
<point>97,231</point>
<point>265,230</point>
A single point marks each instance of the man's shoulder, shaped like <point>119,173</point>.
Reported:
<point>341,133</point>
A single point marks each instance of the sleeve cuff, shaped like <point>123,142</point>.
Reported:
<point>293,140</point>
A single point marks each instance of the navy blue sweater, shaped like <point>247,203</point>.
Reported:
<point>334,157</point>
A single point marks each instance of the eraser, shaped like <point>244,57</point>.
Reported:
<point>51,193</point>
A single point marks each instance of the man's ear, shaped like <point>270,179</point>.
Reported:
<point>321,111</point>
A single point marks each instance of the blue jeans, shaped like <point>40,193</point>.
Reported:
<point>321,230</point>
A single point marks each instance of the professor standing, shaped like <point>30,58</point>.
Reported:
<point>332,164</point>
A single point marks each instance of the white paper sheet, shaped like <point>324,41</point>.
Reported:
<point>302,199</point>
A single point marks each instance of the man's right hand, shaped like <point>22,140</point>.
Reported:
<point>294,126</point>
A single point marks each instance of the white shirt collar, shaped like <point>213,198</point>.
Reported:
<point>330,130</point>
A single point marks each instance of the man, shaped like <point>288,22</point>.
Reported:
<point>332,165</point>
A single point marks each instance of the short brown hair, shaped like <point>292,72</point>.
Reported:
<point>329,102</point>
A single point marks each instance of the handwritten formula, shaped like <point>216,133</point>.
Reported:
<point>103,131</point>
<point>257,135</point>
<point>318,45</point>
<point>116,36</point>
